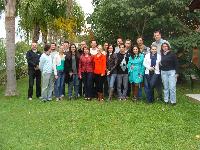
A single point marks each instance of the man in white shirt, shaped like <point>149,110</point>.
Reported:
<point>93,49</point>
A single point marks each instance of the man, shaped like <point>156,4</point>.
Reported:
<point>93,49</point>
<point>143,49</point>
<point>83,44</point>
<point>128,45</point>
<point>66,46</point>
<point>33,57</point>
<point>46,67</point>
<point>105,46</point>
<point>159,41</point>
<point>119,42</point>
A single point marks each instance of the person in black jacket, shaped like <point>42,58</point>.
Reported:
<point>169,73</point>
<point>71,70</point>
<point>111,64</point>
<point>33,57</point>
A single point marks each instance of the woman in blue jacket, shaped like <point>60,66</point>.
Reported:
<point>135,70</point>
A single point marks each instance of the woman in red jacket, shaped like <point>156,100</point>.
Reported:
<point>99,71</point>
<point>86,68</point>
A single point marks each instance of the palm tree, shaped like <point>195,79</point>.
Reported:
<point>10,9</point>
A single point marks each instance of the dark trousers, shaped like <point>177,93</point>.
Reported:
<point>87,78</point>
<point>34,74</point>
<point>80,90</point>
<point>99,81</point>
<point>150,82</point>
<point>159,87</point>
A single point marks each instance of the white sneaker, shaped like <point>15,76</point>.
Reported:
<point>57,99</point>
<point>29,98</point>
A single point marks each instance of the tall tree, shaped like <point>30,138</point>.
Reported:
<point>10,10</point>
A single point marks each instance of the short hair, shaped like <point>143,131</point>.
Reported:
<point>140,37</point>
<point>66,42</point>
<point>153,45</point>
<point>128,40</point>
<point>169,48</point>
<point>157,31</point>
<point>47,47</point>
<point>53,43</point>
<point>121,45</point>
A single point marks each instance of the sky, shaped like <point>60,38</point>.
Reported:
<point>85,4</point>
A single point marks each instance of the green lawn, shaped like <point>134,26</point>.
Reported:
<point>92,125</point>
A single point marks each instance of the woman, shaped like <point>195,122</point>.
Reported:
<point>71,70</point>
<point>111,64</point>
<point>152,72</point>
<point>58,67</point>
<point>99,71</point>
<point>122,72</point>
<point>169,73</point>
<point>85,72</point>
<point>135,70</point>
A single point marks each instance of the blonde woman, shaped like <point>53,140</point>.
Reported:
<point>58,67</point>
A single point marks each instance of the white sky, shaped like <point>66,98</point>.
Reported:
<point>85,4</point>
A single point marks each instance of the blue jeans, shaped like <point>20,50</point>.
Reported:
<point>122,79</point>
<point>59,84</point>
<point>88,84</point>
<point>169,83</point>
<point>150,82</point>
<point>73,83</point>
<point>111,80</point>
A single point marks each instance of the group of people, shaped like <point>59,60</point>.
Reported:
<point>91,72</point>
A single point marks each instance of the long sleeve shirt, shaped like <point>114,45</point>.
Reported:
<point>86,64</point>
<point>46,63</point>
<point>100,64</point>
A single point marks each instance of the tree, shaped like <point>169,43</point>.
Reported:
<point>10,10</point>
<point>129,19</point>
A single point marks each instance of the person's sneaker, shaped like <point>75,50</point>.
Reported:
<point>50,99</point>
<point>173,104</point>
<point>30,98</point>
<point>57,99</point>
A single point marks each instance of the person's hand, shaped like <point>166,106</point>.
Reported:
<point>140,76</point>
<point>102,74</point>
<point>132,66</point>
<point>56,77</point>
<point>177,75</point>
<point>80,77</point>
<point>151,68</point>
<point>108,73</point>
<point>37,67</point>
<point>70,74</point>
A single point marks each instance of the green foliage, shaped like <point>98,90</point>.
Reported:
<point>183,46</point>
<point>92,125</point>
<point>20,61</point>
<point>129,19</point>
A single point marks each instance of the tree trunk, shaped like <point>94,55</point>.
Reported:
<point>11,84</point>
<point>36,33</point>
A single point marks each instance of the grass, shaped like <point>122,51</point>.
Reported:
<point>92,125</point>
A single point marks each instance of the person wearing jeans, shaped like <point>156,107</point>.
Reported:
<point>122,73</point>
<point>58,67</point>
<point>152,72</point>
<point>46,67</point>
<point>71,70</point>
<point>111,64</point>
<point>85,72</point>
<point>169,73</point>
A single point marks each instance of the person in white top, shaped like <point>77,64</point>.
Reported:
<point>93,49</point>
<point>152,72</point>
<point>119,42</point>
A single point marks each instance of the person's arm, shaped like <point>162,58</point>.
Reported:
<point>41,63</point>
<point>30,60</point>
<point>176,64</point>
<point>116,62</point>
<point>54,65</point>
<point>80,67</point>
